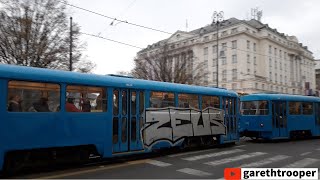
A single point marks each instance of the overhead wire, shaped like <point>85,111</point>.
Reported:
<point>115,19</point>
<point>119,42</point>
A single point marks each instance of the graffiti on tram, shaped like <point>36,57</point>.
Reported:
<point>174,124</point>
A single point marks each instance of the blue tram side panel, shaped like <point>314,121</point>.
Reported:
<point>126,115</point>
<point>279,116</point>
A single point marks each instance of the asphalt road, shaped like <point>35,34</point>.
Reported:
<point>208,163</point>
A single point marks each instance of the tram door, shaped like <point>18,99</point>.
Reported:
<point>317,115</point>
<point>126,120</point>
<point>229,106</point>
<point>279,119</point>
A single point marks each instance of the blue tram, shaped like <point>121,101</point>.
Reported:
<point>49,116</point>
<point>279,116</point>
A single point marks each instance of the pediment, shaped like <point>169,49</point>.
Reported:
<point>179,36</point>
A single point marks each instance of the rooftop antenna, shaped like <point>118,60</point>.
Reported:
<point>256,14</point>
<point>186,25</point>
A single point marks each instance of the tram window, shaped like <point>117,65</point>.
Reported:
<point>210,101</point>
<point>124,129</point>
<point>115,102</point>
<point>263,108</point>
<point>124,102</point>
<point>115,130</point>
<point>248,107</point>
<point>86,99</point>
<point>231,108</point>
<point>141,103</point>
<point>226,105</point>
<point>307,108</point>
<point>188,101</point>
<point>26,96</point>
<point>254,108</point>
<point>318,113</point>
<point>141,109</point>
<point>294,108</point>
<point>133,128</point>
<point>133,103</point>
<point>161,99</point>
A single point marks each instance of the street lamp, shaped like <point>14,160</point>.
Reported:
<point>217,18</point>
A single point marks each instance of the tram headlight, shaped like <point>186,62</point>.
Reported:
<point>261,125</point>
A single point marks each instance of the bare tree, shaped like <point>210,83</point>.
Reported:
<point>36,33</point>
<point>177,66</point>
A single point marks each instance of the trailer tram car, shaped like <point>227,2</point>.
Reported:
<point>49,116</point>
<point>279,116</point>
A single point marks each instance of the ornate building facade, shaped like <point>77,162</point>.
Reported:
<point>252,57</point>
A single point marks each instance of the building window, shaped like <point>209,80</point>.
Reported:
<point>206,38</point>
<point>285,80</point>
<point>256,85</point>
<point>248,44</point>
<point>234,74</point>
<point>270,49</point>
<point>214,62</point>
<point>254,47</point>
<point>214,76</point>
<point>275,51</point>
<point>270,62</point>
<point>248,58</point>
<point>214,49</point>
<point>234,44</point>
<point>224,75</point>
<point>224,46</point>
<point>205,51</point>
<point>262,86</point>
<point>255,60</point>
<point>234,58</point>
<point>285,55</point>
<point>280,53</point>
<point>270,76</point>
<point>224,60</point>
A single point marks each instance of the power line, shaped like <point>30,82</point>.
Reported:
<point>131,4</point>
<point>115,19</point>
<point>110,40</point>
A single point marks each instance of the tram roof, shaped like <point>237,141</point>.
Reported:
<point>76,78</point>
<point>284,97</point>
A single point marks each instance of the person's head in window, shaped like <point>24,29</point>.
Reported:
<point>70,100</point>
<point>15,103</point>
<point>86,106</point>
<point>166,97</point>
<point>70,107</point>
<point>15,98</point>
<point>41,105</point>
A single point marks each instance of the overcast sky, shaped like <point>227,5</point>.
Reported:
<point>293,17</point>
